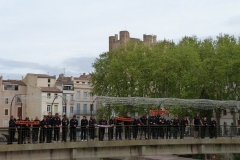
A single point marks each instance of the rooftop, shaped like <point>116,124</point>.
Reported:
<point>19,82</point>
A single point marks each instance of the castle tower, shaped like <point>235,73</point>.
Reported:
<point>112,40</point>
<point>147,39</point>
<point>124,37</point>
<point>154,39</point>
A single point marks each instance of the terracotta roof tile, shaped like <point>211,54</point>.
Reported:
<point>19,82</point>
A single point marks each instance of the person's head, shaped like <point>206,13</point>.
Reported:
<point>57,115</point>
<point>112,118</point>
<point>12,117</point>
<point>64,116</point>
<point>205,118</point>
<point>36,118</point>
<point>136,117</point>
<point>176,117</point>
<point>74,117</point>
<point>144,115</point>
<point>45,118</point>
<point>93,117</point>
<point>104,118</point>
<point>198,114</point>
<point>84,117</point>
<point>184,118</point>
<point>49,114</point>
<point>27,118</point>
<point>212,119</point>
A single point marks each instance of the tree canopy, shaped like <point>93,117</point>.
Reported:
<point>191,68</point>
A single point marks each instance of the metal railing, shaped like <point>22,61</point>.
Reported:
<point>102,133</point>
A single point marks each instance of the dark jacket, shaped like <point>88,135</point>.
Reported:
<point>43,124</point>
<point>50,121</point>
<point>12,123</point>
<point>65,122</point>
<point>56,121</point>
<point>92,122</point>
<point>84,123</point>
<point>152,120</point>
<point>73,122</point>
<point>136,122</point>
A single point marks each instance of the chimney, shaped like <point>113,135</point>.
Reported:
<point>84,74</point>
<point>72,78</point>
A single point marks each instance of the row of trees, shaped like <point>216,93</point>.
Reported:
<point>191,68</point>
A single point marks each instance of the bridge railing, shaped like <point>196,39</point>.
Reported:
<point>106,132</point>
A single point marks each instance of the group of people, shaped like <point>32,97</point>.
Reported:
<point>154,127</point>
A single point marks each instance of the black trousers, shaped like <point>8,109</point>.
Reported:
<point>175,132</point>
<point>20,136</point>
<point>49,135</point>
<point>127,132</point>
<point>56,134</point>
<point>110,133</point>
<point>73,132</point>
<point>135,132</point>
<point>43,132</point>
<point>212,132</point>
<point>154,132</point>
<point>101,134</point>
<point>35,135</point>
<point>11,133</point>
<point>64,133</point>
<point>92,132</point>
<point>83,133</point>
<point>119,132</point>
<point>182,131</point>
<point>203,131</point>
<point>161,132</point>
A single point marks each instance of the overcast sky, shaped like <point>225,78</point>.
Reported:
<point>46,36</point>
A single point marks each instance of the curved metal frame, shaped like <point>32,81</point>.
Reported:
<point>16,95</point>
<point>55,97</point>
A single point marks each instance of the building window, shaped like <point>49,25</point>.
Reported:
<point>71,109</point>
<point>83,82</point>
<point>78,95</point>
<point>49,80</point>
<point>49,108</point>
<point>89,83</point>
<point>49,95</point>
<point>18,100</point>
<point>6,100</point>
<point>5,112</point>
<point>37,109</point>
<point>55,96</point>
<point>48,85</point>
<point>5,122</point>
<point>71,97</point>
<point>10,87</point>
<point>85,95</point>
<point>78,108</point>
<point>77,82</point>
<point>225,112</point>
<point>91,95</point>
<point>55,108</point>
<point>64,110</point>
<point>85,109</point>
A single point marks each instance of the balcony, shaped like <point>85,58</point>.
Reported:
<point>72,102</point>
<point>84,112</point>
<point>68,89</point>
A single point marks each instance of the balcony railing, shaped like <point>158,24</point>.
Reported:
<point>84,112</point>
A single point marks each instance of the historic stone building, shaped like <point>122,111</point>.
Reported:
<point>114,42</point>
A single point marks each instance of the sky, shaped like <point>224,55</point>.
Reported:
<point>50,37</point>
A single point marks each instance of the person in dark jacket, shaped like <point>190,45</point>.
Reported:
<point>101,133</point>
<point>144,126</point>
<point>161,124</point>
<point>183,125</point>
<point>73,128</point>
<point>175,127</point>
<point>119,129</point>
<point>136,124</point>
<point>43,129</point>
<point>196,124</point>
<point>110,129</point>
<point>56,124</point>
<point>212,128</point>
<point>204,126</point>
<point>35,130</point>
<point>84,124</point>
<point>153,126</point>
<point>92,125</point>
<point>11,129</point>
<point>65,123</point>
<point>20,131</point>
<point>50,127</point>
<point>169,124</point>
<point>127,127</point>
<point>26,131</point>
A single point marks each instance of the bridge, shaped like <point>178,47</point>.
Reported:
<point>125,148</point>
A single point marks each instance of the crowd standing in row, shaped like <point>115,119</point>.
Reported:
<point>156,126</point>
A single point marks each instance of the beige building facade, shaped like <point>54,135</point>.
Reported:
<point>12,100</point>
<point>114,42</point>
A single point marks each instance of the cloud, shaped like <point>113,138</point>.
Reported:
<point>12,69</point>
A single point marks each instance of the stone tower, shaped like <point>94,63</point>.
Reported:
<point>149,39</point>
<point>124,37</point>
<point>112,40</point>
